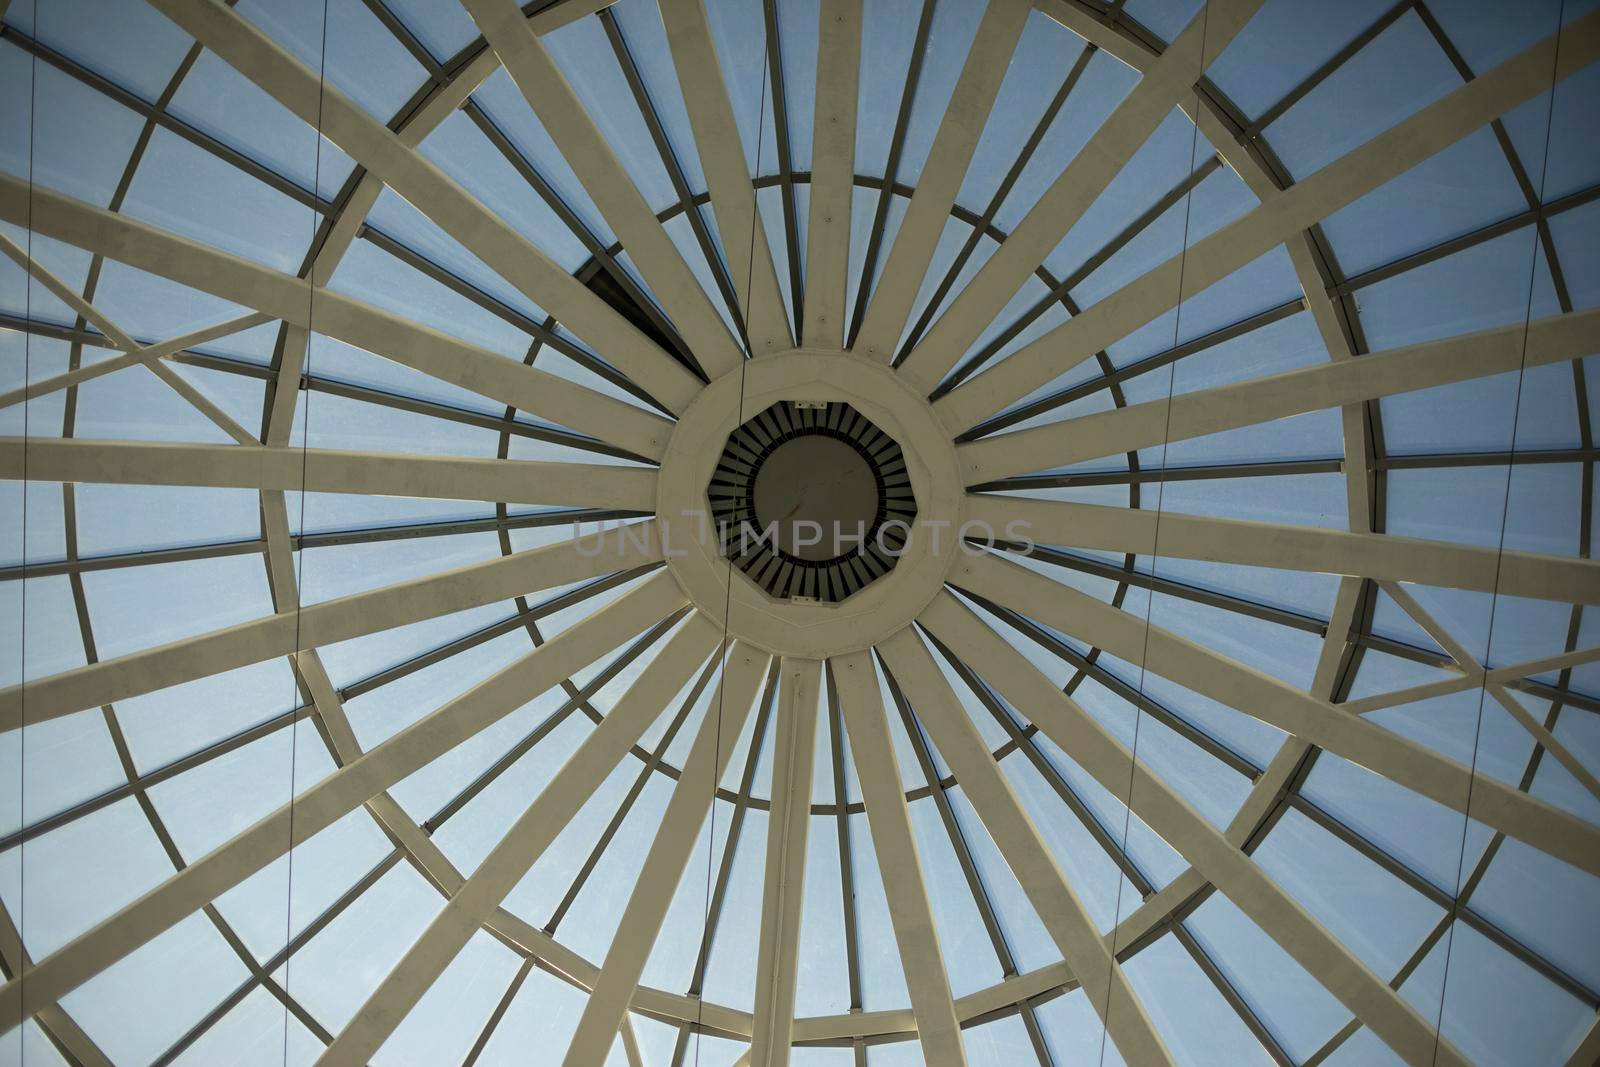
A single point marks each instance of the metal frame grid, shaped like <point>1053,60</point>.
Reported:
<point>848,705</point>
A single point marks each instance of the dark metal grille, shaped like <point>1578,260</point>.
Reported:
<point>782,574</point>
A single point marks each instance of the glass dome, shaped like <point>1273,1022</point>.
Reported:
<point>374,692</point>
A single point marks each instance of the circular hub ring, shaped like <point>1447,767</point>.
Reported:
<point>690,535</point>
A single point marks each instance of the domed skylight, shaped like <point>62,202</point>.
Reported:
<point>379,689</point>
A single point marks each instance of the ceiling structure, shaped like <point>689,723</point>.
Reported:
<point>381,690</point>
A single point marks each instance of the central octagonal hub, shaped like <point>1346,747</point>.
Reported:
<point>811,500</point>
<point>787,401</point>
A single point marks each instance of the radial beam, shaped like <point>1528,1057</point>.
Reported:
<point>896,845</point>
<point>326,623</point>
<point>987,61</point>
<point>997,804</point>
<point>1319,195</point>
<point>369,142</point>
<point>788,827</point>
<point>1163,85</point>
<point>475,901</point>
<point>321,470</point>
<point>1326,385</point>
<point>1286,547</point>
<point>668,856</point>
<point>606,180</point>
<point>1328,726</point>
<point>283,296</point>
<point>733,195</point>
<point>833,155</point>
<point>1166,812</point>
<point>325,803</point>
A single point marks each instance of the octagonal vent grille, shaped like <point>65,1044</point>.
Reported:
<point>799,466</point>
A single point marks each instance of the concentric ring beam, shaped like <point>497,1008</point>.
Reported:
<point>1163,84</point>
<point>1388,155</point>
<point>895,844</point>
<point>1059,908</point>
<point>1165,811</point>
<point>595,163</point>
<point>475,901</point>
<point>986,64</point>
<point>319,470</point>
<point>668,856</point>
<point>323,804</point>
<point>283,296</point>
<point>1284,547</point>
<point>788,828</point>
<point>404,169</point>
<point>326,623</point>
<point>733,195</point>
<point>1555,339</point>
<point>833,165</point>
<point>1405,762</point>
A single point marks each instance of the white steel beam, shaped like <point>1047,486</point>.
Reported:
<point>367,140</point>
<point>1328,726</point>
<point>669,854</point>
<point>833,168</point>
<point>733,195</point>
<point>788,827</point>
<point>585,148</point>
<point>326,623</point>
<point>1248,403</point>
<point>1166,812</point>
<point>69,296</point>
<point>283,296</point>
<point>1513,707</point>
<point>948,158</point>
<point>1164,83</point>
<point>321,470</point>
<point>147,354</point>
<point>53,1018</point>
<point>1286,547</point>
<point>325,803</point>
<point>901,867</point>
<point>1310,200</point>
<point>1055,902</point>
<point>475,901</point>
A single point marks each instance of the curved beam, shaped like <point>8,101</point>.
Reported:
<point>788,828</point>
<point>1164,82</point>
<point>1058,906</point>
<point>1555,339</point>
<point>325,803</point>
<point>1282,546</point>
<point>1405,762</point>
<point>733,196</point>
<point>833,165</point>
<point>964,119</point>
<point>896,845</point>
<point>580,141</point>
<point>286,297</point>
<point>1319,195</point>
<point>1166,812</point>
<point>669,854</point>
<point>258,57</point>
<point>326,470</point>
<point>474,902</point>
<point>326,623</point>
